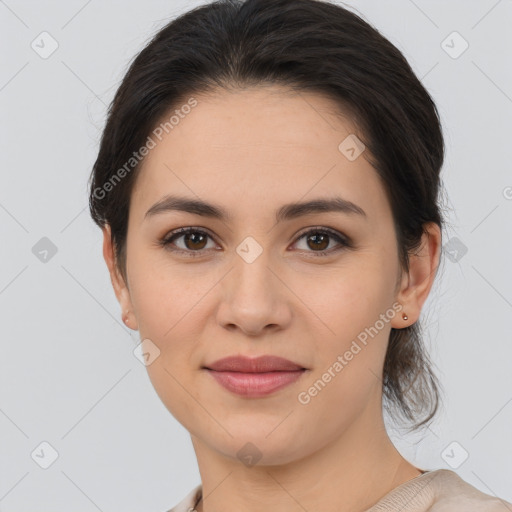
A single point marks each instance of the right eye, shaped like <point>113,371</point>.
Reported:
<point>193,241</point>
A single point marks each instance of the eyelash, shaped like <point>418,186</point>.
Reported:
<point>341,239</point>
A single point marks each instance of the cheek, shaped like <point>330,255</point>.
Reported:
<point>168,308</point>
<point>163,295</point>
<point>347,374</point>
<point>172,301</point>
<point>176,392</point>
<point>171,308</point>
<point>352,298</point>
<point>357,307</point>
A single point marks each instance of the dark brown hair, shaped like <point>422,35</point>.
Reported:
<point>306,45</point>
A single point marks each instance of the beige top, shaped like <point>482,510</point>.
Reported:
<point>440,490</point>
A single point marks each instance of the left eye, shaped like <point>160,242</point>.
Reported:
<point>194,241</point>
<point>319,238</point>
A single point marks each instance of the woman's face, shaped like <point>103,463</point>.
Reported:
<point>252,285</point>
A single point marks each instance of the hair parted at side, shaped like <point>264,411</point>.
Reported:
<point>308,46</point>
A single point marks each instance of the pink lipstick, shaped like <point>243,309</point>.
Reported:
<point>254,377</point>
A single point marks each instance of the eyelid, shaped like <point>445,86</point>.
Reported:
<point>177,233</point>
<point>324,229</point>
<point>344,241</point>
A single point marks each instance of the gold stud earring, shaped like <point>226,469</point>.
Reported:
<point>404,316</point>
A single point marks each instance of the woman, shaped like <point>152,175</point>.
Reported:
<point>267,184</point>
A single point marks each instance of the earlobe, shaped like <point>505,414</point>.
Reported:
<point>117,280</point>
<point>417,283</point>
<point>127,320</point>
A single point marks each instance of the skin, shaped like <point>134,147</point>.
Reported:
<point>252,151</point>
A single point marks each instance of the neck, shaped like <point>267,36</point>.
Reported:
<point>351,473</point>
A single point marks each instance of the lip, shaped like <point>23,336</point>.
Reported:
<point>254,377</point>
<point>259,364</point>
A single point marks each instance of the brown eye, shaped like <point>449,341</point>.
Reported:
<point>318,240</point>
<point>192,241</point>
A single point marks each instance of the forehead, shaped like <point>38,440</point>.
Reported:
<point>254,146</point>
<point>261,121</point>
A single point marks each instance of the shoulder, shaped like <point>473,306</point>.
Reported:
<point>188,503</point>
<point>454,493</point>
<point>440,490</point>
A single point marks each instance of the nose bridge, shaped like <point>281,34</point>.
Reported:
<point>252,276</point>
<point>252,299</point>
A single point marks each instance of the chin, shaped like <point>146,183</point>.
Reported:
<point>254,447</point>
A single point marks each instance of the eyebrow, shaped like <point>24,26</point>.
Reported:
<point>286,212</point>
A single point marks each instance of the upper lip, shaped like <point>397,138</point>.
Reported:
<point>259,364</point>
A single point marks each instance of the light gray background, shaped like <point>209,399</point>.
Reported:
<point>68,375</point>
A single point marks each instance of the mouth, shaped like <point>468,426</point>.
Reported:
<point>254,377</point>
<point>261,364</point>
<point>255,384</point>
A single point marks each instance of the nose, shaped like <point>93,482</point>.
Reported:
<point>254,298</point>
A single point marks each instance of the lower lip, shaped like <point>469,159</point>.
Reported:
<point>255,384</point>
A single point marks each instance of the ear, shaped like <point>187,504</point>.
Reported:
<point>416,283</point>
<point>120,288</point>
